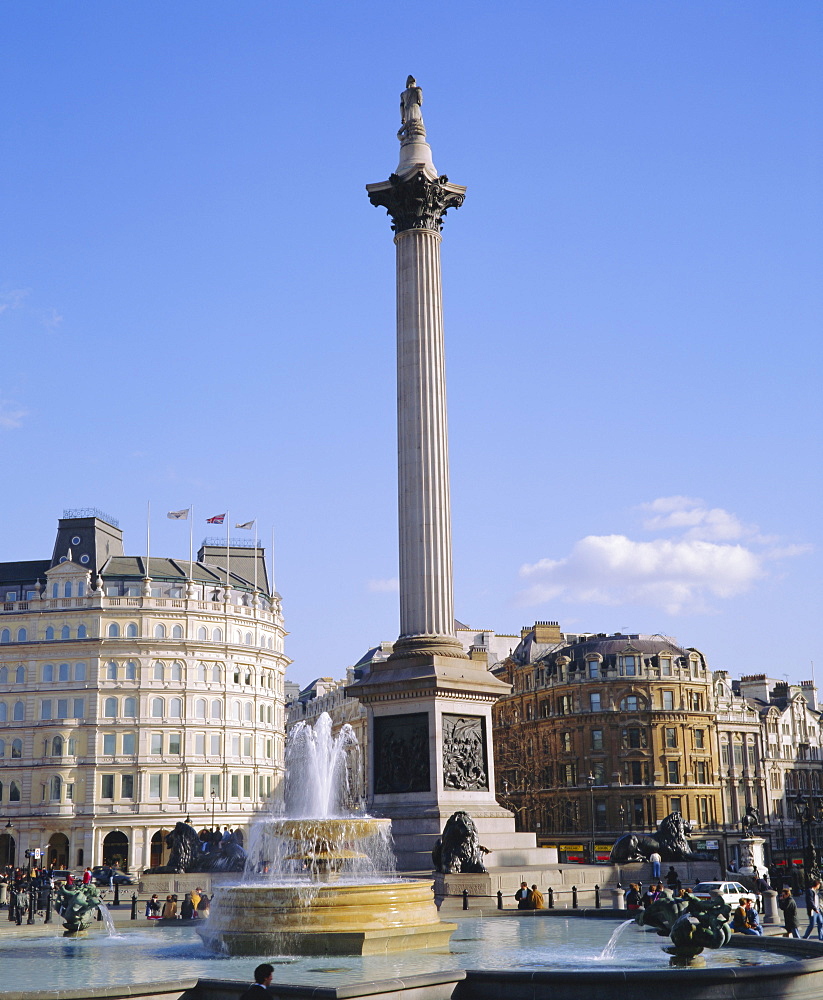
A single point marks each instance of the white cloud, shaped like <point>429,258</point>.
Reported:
<point>11,415</point>
<point>391,586</point>
<point>709,555</point>
<point>12,299</point>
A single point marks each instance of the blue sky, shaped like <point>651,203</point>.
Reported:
<point>197,302</point>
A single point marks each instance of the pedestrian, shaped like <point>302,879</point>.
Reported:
<point>523,897</point>
<point>789,908</point>
<point>153,908</point>
<point>633,897</point>
<point>187,910</point>
<point>204,906</point>
<point>752,919</point>
<point>538,901</point>
<point>87,875</point>
<point>655,859</point>
<point>195,897</point>
<point>813,909</point>
<point>69,880</point>
<point>260,986</point>
<point>673,879</point>
<point>170,908</point>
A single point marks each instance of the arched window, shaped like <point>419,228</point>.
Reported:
<point>67,589</point>
<point>55,590</point>
<point>216,635</point>
<point>64,672</point>
<point>238,711</point>
<point>80,671</point>
<point>159,631</point>
<point>16,749</point>
<point>200,708</point>
<point>4,675</point>
<point>262,713</point>
<point>215,673</point>
<point>111,671</point>
<point>4,712</point>
<point>217,709</point>
<point>271,643</point>
<point>114,631</point>
<point>157,708</point>
<point>2,755</point>
<point>110,708</point>
<point>247,711</point>
<point>20,675</point>
<point>22,635</point>
<point>131,671</point>
<point>81,632</point>
<point>56,788</point>
<point>19,713</point>
<point>176,708</point>
<point>81,589</point>
<point>201,673</point>
<point>57,746</point>
<point>177,632</point>
<point>5,635</point>
<point>131,631</point>
<point>49,634</point>
<point>177,671</point>
<point>48,672</point>
<point>202,634</point>
<point>65,632</point>
<point>239,637</point>
<point>14,792</point>
<point>268,713</point>
<point>130,708</point>
<point>249,639</point>
<point>159,671</point>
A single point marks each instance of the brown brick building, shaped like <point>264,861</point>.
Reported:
<point>605,733</point>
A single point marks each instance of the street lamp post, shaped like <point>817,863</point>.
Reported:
<point>213,801</point>
<point>590,781</point>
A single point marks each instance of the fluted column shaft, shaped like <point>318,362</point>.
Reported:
<point>426,597</point>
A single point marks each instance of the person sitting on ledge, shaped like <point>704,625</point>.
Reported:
<point>524,897</point>
<point>262,980</point>
<point>538,901</point>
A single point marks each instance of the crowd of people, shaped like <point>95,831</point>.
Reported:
<point>195,905</point>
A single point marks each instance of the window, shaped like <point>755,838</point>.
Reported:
<point>130,708</point>
<point>5,635</point>
<point>72,751</point>
<point>214,784</point>
<point>249,639</point>
<point>22,635</point>
<point>565,705</point>
<point>49,634</point>
<point>724,753</point>
<point>173,785</point>
<point>247,711</point>
<point>235,786</point>
<point>131,671</point>
<point>14,791</point>
<point>56,788</point>
<point>217,635</point>
<point>156,743</point>
<point>597,739</point>
<point>176,708</point>
<point>701,772</point>
<point>634,738</point>
<point>174,743</point>
<point>4,712</point>
<point>64,672</point>
<point>594,669</point>
<point>200,743</point>
<point>111,671</point>
<point>570,774</point>
<point>177,671</point>
<point>635,772</point>
<point>214,744</point>
<point>216,709</point>
<point>215,673</point>
<point>199,786</point>
<point>630,703</point>
<point>157,708</point>
<point>665,666</point>
<point>20,675</point>
<point>235,746</point>
<point>110,708</point>
<point>246,786</point>
<point>159,671</point>
<point>700,739</point>
<point>65,632</point>
<point>159,631</point>
<point>629,666</point>
<point>114,633</point>
<point>80,671</point>
<point>154,786</point>
<point>673,772</point>
<point>127,786</point>
<point>129,744</point>
<point>671,737</point>
<point>594,702</point>
<point>109,744</point>
<point>4,675</point>
<point>18,712</point>
<point>751,754</point>
<point>177,632</point>
<point>131,631</point>
<point>738,754</point>
<point>703,808</point>
<point>57,746</point>
<point>48,672</point>
<point>81,632</point>
<point>16,749</point>
<point>78,708</point>
<point>696,701</point>
<point>668,701</point>
<point>45,708</point>
<point>202,634</point>
<point>107,786</point>
<point>200,708</point>
<point>62,708</point>
<point>565,743</point>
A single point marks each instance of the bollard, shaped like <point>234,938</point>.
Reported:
<point>47,919</point>
<point>116,894</point>
<point>597,897</point>
<point>574,897</point>
<point>499,900</point>
<point>550,895</point>
<point>134,906</point>
<point>465,899</point>
<point>618,899</point>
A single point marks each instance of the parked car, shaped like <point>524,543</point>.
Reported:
<point>102,875</point>
<point>62,874</point>
<point>731,892</point>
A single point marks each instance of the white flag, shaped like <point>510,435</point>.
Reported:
<point>178,515</point>
<point>247,526</point>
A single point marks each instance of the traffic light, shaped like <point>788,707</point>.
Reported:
<point>28,854</point>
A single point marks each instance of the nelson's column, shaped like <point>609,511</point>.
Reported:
<point>430,705</point>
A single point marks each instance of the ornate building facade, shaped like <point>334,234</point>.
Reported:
<point>605,733</point>
<point>134,693</point>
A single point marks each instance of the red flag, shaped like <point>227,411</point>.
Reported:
<point>217,519</point>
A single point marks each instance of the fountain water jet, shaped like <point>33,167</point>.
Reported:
<point>321,878</point>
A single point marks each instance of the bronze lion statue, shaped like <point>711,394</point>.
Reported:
<point>670,842</point>
<point>459,849</point>
<point>184,847</point>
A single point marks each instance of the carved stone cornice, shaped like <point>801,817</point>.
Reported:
<point>416,201</point>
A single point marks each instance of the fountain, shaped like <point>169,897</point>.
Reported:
<point>321,877</point>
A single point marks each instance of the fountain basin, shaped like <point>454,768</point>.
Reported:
<point>326,919</point>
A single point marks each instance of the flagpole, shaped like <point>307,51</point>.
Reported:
<point>255,558</point>
<point>148,538</point>
<point>191,543</point>
<point>228,557</point>
<point>272,587</point>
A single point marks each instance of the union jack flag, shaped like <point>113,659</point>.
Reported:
<point>217,519</point>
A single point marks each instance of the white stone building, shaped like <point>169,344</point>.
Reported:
<point>134,695</point>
